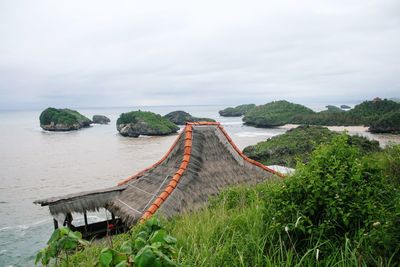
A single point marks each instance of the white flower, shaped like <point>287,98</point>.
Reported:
<point>317,254</point>
<point>286,229</point>
<point>376,224</point>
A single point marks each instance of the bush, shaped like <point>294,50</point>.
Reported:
<point>337,196</point>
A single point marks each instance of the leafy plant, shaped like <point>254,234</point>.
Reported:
<point>150,245</point>
<point>62,240</point>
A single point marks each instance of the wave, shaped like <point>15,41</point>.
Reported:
<point>254,134</point>
<point>25,226</point>
<point>232,123</point>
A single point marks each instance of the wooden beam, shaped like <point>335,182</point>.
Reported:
<point>55,224</point>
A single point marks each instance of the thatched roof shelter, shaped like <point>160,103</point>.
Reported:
<point>202,161</point>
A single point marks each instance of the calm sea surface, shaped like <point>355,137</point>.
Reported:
<point>36,164</point>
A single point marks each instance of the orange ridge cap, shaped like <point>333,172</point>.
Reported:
<point>141,173</point>
<point>173,183</point>
<point>256,163</point>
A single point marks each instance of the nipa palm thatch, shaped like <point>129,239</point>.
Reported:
<point>202,161</point>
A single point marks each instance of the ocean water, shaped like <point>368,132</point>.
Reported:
<point>35,164</point>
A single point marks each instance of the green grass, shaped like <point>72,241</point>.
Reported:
<point>341,209</point>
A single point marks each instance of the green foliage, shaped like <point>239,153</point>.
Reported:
<point>154,121</point>
<point>149,245</point>
<point>388,123</point>
<point>275,114</point>
<point>371,111</point>
<point>63,240</point>
<point>297,145</point>
<point>237,111</point>
<point>62,116</point>
<point>382,114</point>
<point>341,209</point>
<point>338,196</point>
<point>327,118</point>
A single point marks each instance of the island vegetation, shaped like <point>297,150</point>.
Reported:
<point>237,111</point>
<point>367,113</point>
<point>275,113</point>
<point>297,144</point>
<point>53,119</point>
<point>137,123</point>
<point>180,117</point>
<point>340,209</point>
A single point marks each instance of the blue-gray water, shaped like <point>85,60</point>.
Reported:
<point>36,164</point>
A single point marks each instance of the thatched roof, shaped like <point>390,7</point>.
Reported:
<point>202,161</point>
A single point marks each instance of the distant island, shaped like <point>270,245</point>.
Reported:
<point>380,115</point>
<point>53,119</point>
<point>135,123</point>
<point>100,119</point>
<point>180,117</point>
<point>237,111</point>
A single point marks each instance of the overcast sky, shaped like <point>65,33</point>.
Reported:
<point>126,53</point>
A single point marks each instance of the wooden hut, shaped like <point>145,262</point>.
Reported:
<point>202,161</point>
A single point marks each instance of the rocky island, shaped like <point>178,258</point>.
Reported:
<point>52,119</point>
<point>100,119</point>
<point>236,111</point>
<point>180,117</point>
<point>137,123</point>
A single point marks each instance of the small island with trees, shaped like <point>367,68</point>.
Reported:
<point>136,123</point>
<point>52,119</point>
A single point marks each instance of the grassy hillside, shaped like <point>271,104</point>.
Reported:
<point>341,209</point>
<point>297,145</point>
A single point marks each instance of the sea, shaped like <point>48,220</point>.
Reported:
<point>36,164</point>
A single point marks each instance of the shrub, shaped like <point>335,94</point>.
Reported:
<point>334,197</point>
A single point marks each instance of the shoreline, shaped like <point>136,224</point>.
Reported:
<point>384,139</point>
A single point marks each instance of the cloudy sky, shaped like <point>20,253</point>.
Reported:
<point>126,53</point>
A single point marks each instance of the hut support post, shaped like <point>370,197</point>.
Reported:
<point>85,217</point>
<point>55,224</point>
<point>112,216</point>
<point>86,222</point>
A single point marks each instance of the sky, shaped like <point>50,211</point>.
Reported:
<point>140,53</point>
